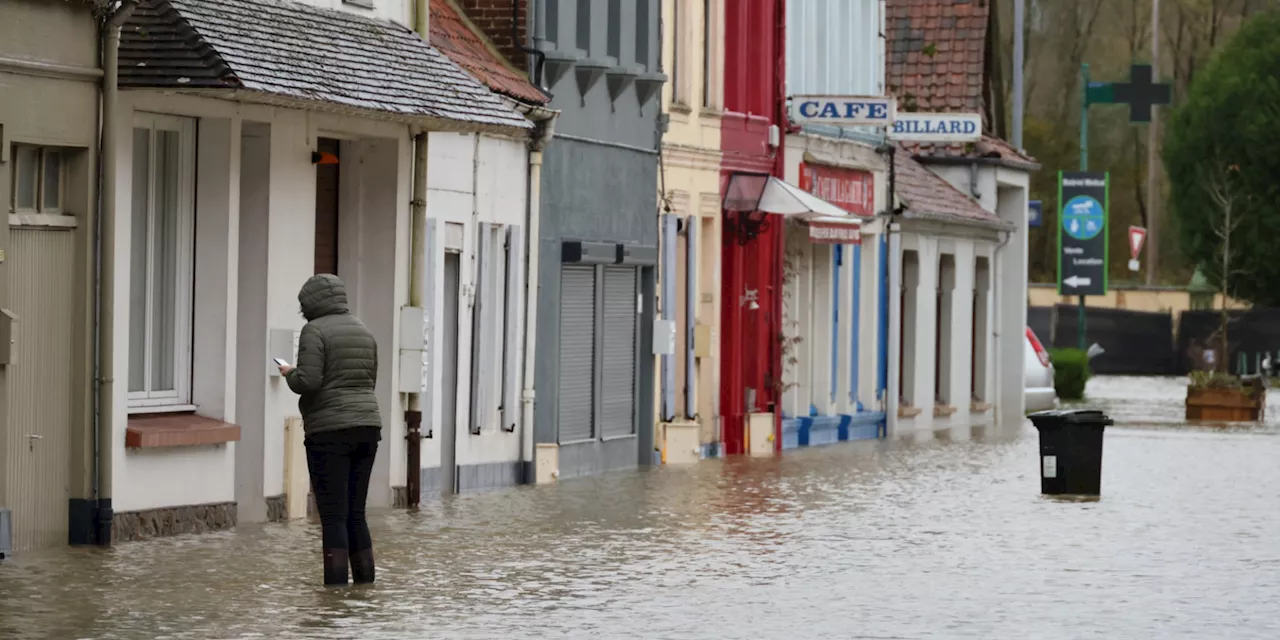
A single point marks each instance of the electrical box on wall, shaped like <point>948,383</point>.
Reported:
<point>8,337</point>
<point>704,341</point>
<point>413,325</point>
<point>282,344</point>
<point>664,338</point>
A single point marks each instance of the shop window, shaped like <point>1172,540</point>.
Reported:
<point>161,262</point>
<point>38,174</point>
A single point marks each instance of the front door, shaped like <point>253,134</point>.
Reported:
<point>327,206</point>
<point>42,280</point>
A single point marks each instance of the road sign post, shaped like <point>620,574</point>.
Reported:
<point>1082,237</point>
<point>1141,94</point>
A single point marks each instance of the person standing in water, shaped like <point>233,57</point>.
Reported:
<point>335,376</point>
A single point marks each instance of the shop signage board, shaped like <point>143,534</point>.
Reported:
<point>843,111</point>
<point>936,127</point>
<point>853,190</point>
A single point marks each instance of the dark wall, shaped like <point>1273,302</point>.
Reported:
<point>1250,333</point>
<point>1136,342</point>
<point>602,193</point>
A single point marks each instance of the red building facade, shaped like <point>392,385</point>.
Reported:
<point>752,266</point>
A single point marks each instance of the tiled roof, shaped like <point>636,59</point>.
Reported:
<point>295,53</point>
<point>988,147</point>
<point>935,53</point>
<point>926,195</point>
<point>454,35</point>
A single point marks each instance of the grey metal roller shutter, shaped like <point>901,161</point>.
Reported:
<point>577,352</point>
<point>618,361</point>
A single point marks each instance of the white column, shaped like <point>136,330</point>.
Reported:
<point>926,296</point>
<point>962,340</point>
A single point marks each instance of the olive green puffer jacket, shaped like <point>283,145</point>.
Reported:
<point>337,366</point>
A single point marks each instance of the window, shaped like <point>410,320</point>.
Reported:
<point>584,26</point>
<point>161,261</point>
<point>642,34</point>
<point>707,68</point>
<point>677,96</point>
<point>613,42</point>
<point>37,179</point>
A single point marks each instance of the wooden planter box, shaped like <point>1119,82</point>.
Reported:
<point>1227,405</point>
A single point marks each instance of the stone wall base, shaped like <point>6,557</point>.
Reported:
<point>171,521</point>
<point>277,510</point>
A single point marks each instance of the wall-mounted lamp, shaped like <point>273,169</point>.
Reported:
<point>323,157</point>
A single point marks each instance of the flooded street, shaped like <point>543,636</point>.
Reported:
<point>858,540</point>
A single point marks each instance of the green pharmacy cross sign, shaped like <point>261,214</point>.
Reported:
<point>1139,93</point>
<point>1084,271</point>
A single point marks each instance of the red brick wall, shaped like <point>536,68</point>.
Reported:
<point>493,17</point>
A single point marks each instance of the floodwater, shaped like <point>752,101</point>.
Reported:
<point>859,540</point>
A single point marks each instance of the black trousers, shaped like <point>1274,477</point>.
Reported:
<point>340,464</point>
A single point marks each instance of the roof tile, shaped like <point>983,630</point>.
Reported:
<point>454,35</point>
<point>299,52</point>
<point>926,195</point>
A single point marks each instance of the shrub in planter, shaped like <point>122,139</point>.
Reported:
<point>1070,373</point>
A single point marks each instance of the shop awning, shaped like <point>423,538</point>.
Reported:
<point>827,223</point>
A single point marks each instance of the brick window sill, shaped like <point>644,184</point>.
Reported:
<point>177,430</point>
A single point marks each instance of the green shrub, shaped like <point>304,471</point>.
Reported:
<point>1070,373</point>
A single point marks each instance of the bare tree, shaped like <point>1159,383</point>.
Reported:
<point>1219,180</point>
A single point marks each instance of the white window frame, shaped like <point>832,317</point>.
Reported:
<point>41,207</point>
<point>180,396</point>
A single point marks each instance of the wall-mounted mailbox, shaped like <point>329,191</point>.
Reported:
<point>413,326</point>
<point>283,344</point>
<point>578,252</point>
<point>664,337</point>
<point>8,337</point>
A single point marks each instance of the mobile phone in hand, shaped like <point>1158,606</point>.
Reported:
<point>281,362</point>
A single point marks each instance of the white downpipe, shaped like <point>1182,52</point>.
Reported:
<point>546,119</point>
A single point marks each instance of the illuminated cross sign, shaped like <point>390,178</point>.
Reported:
<point>1139,93</point>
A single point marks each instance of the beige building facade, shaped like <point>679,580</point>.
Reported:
<point>48,178</point>
<point>689,189</point>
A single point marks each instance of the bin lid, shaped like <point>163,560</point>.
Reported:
<point>1070,416</point>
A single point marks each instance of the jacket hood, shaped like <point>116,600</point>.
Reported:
<point>323,295</point>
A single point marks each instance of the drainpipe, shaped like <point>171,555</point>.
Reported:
<point>546,122</point>
<point>103,431</point>
<point>417,275</point>
<point>780,246</point>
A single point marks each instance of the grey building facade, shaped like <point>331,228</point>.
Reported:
<point>50,77</point>
<point>598,235</point>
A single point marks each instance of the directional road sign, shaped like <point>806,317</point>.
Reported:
<point>1082,233</point>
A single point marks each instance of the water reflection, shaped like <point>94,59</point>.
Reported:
<point>877,540</point>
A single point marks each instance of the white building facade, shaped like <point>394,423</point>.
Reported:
<point>285,148</point>
<point>833,309</point>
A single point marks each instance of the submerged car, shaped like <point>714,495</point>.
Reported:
<point>1040,394</point>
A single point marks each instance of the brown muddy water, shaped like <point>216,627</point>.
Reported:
<point>857,540</point>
